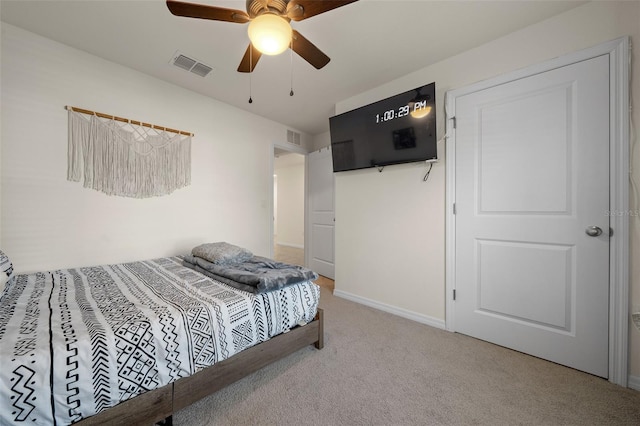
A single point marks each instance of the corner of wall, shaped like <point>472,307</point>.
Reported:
<point>321,140</point>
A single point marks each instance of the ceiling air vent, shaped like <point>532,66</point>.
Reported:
<point>201,69</point>
<point>293,137</point>
<point>190,64</point>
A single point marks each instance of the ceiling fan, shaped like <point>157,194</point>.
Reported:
<point>269,29</point>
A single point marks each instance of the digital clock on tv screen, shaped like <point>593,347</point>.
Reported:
<point>399,129</point>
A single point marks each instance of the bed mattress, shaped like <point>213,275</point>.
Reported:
<point>75,342</point>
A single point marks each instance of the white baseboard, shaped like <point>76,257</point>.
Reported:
<point>299,246</point>
<point>404,313</point>
<point>634,382</point>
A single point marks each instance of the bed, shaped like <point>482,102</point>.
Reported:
<point>132,343</point>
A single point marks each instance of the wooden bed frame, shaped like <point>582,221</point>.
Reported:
<point>159,404</point>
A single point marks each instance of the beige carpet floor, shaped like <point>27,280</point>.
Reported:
<point>380,369</point>
<point>288,254</point>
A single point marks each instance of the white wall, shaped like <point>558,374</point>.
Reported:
<point>290,201</point>
<point>48,222</point>
<point>320,141</point>
<point>390,226</point>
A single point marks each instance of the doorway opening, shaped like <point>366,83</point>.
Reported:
<point>288,206</point>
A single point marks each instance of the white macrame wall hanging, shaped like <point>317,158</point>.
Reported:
<point>127,158</point>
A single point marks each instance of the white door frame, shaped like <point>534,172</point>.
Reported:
<point>272,152</point>
<point>618,51</point>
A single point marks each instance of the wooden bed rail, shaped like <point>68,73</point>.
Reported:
<point>159,404</point>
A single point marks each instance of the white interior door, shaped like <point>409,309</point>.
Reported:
<point>321,213</point>
<point>532,180</point>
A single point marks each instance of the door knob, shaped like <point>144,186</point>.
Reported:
<point>593,231</point>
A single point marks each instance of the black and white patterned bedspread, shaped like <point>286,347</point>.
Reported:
<point>77,341</point>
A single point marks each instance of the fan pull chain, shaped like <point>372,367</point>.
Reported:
<point>291,92</point>
<point>250,70</point>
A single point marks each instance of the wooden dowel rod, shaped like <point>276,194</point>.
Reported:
<point>126,120</point>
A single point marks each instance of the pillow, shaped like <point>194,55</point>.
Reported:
<point>222,253</point>
<point>6,270</point>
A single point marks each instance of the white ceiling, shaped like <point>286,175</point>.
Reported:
<point>370,42</point>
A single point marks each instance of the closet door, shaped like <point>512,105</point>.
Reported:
<point>532,234</point>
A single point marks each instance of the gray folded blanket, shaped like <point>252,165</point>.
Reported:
<point>222,253</point>
<point>256,275</point>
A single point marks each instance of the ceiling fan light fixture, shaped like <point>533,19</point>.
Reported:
<point>270,34</point>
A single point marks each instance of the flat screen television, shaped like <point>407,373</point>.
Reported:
<point>399,129</point>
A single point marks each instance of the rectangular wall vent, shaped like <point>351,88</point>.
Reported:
<point>293,137</point>
<point>189,64</point>
<point>201,69</point>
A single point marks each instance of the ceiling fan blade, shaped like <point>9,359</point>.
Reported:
<point>308,51</point>
<point>298,10</point>
<point>249,60</point>
<point>203,11</point>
